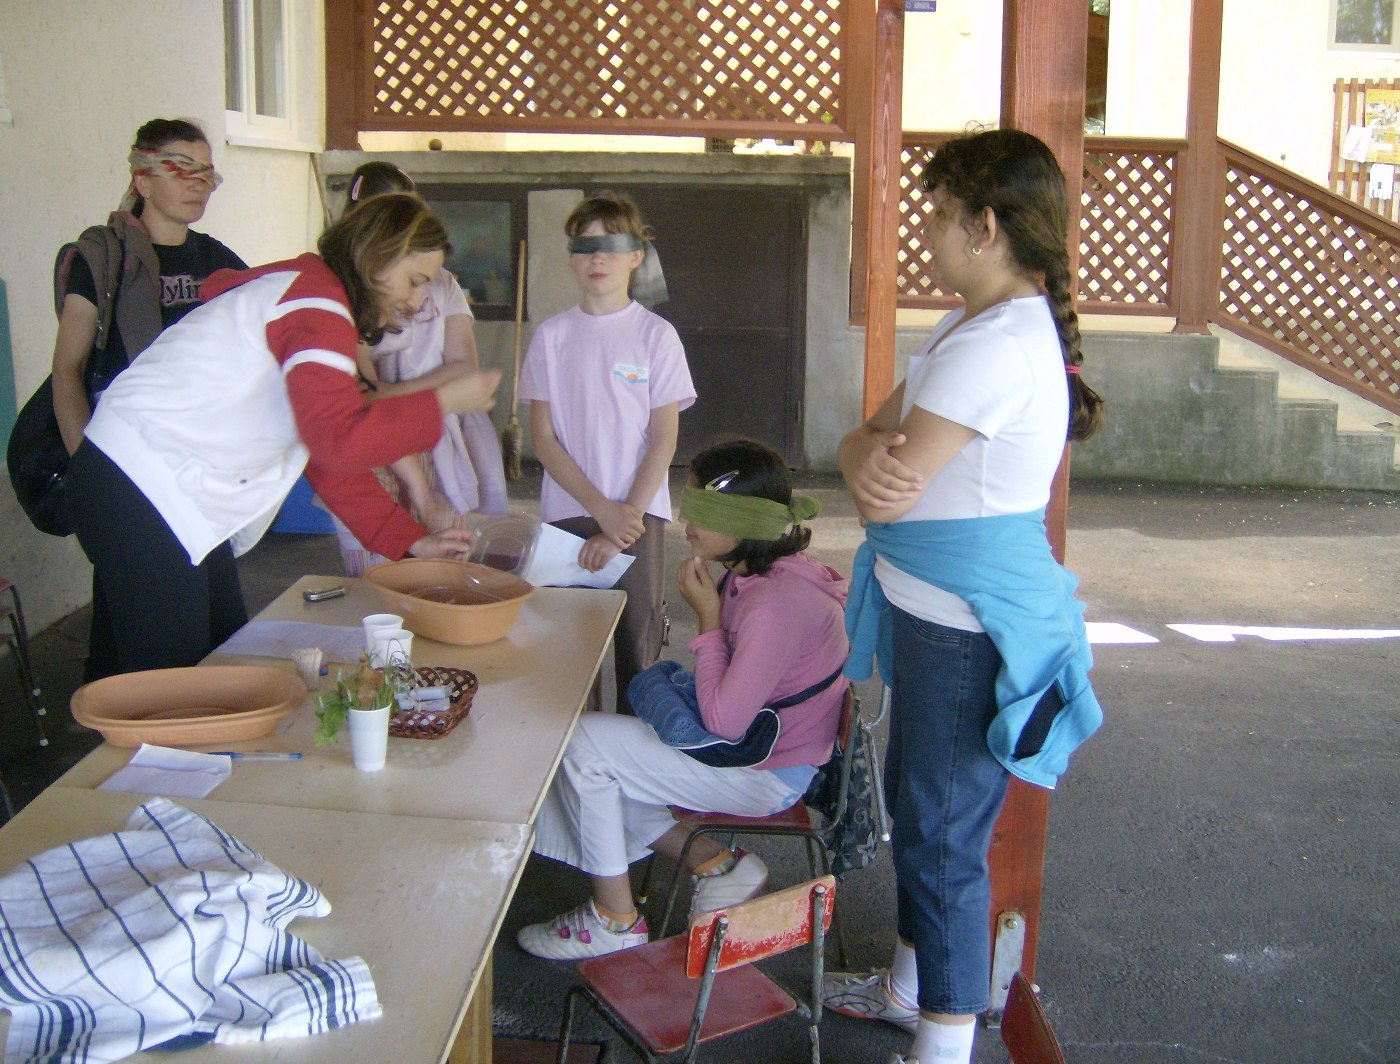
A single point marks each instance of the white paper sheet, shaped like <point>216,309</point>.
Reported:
<point>1356,144</point>
<point>169,773</point>
<point>281,639</point>
<point>554,562</point>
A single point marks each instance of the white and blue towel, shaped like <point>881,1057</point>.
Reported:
<point>170,933</point>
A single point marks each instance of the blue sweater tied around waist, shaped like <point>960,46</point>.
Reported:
<point>1002,567</point>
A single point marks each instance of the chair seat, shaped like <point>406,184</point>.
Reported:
<point>795,817</point>
<point>647,987</point>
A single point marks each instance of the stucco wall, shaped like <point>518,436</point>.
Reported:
<point>77,89</point>
<point>1276,81</point>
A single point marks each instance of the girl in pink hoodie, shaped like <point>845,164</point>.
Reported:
<point>770,627</point>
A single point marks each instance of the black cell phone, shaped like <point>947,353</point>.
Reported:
<point>320,594</point>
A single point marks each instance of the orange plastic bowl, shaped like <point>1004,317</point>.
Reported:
<point>188,707</point>
<point>462,603</point>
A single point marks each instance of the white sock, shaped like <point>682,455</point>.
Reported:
<point>904,975</point>
<point>943,1043</point>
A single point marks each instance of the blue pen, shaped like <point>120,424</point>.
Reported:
<point>259,755</point>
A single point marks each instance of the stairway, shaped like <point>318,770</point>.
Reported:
<point>1217,410</point>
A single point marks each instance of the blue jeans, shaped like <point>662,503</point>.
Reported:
<point>945,790</point>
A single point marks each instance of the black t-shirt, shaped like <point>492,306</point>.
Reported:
<point>183,268</point>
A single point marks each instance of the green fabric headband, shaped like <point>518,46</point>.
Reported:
<point>745,516</point>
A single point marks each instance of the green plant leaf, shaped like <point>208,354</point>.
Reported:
<point>331,708</point>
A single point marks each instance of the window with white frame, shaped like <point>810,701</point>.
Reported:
<point>1364,26</point>
<point>266,80</point>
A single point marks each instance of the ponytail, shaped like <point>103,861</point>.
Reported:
<point>1085,404</point>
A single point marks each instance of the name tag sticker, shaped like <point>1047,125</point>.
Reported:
<point>630,373</point>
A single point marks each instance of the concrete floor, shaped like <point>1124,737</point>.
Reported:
<point>1221,873</point>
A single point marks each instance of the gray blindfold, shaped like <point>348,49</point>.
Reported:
<point>610,243</point>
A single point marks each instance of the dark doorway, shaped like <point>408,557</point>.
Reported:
<point>735,261</point>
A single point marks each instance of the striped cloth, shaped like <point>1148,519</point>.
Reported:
<point>168,933</point>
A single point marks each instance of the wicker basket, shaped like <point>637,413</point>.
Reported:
<point>435,723</point>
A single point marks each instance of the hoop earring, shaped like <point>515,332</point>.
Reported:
<point>977,251</point>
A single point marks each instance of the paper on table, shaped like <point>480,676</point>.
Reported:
<point>554,562</point>
<point>170,773</point>
<point>282,639</point>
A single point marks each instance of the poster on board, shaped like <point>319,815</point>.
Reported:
<point>1383,121</point>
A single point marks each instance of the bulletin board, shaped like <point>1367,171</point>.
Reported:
<point>1376,105</point>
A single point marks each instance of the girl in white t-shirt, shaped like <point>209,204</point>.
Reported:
<point>606,382</point>
<point>952,475</point>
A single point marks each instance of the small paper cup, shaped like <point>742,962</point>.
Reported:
<point>377,622</point>
<point>391,647</point>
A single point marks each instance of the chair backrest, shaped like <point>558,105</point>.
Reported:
<point>848,736</point>
<point>763,927</point>
<point>1025,1029</point>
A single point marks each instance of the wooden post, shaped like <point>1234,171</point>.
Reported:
<point>858,49</point>
<point>1044,51</point>
<point>1199,203</point>
<point>344,69</point>
<point>885,131</point>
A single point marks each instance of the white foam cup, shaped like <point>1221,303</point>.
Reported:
<point>376,622</point>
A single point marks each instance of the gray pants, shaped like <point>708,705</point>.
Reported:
<point>637,644</point>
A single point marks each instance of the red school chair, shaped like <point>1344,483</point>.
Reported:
<point>17,639</point>
<point>1025,1029</point>
<point>672,995</point>
<point>795,821</point>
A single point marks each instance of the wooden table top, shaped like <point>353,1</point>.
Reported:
<point>494,766</point>
<point>420,899</point>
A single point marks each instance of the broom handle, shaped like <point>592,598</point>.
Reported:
<point>519,325</point>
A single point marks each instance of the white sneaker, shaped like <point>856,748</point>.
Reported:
<point>867,997</point>
<point>579,934</point>
<point>739,884</point>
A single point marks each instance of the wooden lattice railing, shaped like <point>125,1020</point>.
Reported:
<point>1311,276</point>
<point>1125,232</point>
<point>712,68</point>
<point>1126,225</point>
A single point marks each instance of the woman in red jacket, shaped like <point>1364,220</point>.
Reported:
<point>193,448</point>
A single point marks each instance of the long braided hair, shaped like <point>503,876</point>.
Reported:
<point>1016,175</point>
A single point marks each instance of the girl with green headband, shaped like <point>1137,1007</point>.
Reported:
<point>770,628</point>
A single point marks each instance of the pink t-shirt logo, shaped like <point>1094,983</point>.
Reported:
<point>631,374</point>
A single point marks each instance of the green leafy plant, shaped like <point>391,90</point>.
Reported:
<point>363,688</point>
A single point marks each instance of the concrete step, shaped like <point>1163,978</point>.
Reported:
<point>1214,410</point>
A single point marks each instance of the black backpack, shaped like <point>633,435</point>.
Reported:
<point>36,456</point>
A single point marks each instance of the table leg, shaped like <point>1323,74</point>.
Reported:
<point>473,1043</point>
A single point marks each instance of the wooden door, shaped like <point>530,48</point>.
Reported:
<point>735,263</point>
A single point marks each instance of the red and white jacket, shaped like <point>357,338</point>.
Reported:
<point>217,418</point>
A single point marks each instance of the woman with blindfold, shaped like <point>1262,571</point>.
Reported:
<point>770,633</point>
<point>606,382</point>
<point>145,269</point>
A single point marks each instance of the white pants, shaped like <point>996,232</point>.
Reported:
<point>608,803</point>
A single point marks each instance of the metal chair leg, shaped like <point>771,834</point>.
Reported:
<point>682,871</point>
<point>644,890</point>
<point>18,640</point>
<point>566,1024</point>
<point>5,801</point>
